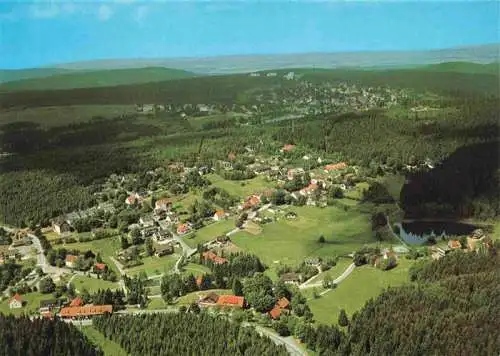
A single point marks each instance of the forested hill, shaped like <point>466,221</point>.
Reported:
<point>231,89</point>
<point>451,308</point>
<point>185,334</point>
<point>8,75</point>
<point>21,336</point>
<point>100,78</point>
<point>465,67</point>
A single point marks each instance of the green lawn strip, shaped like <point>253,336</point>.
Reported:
<point>290,241</point>
<point>155,265</point>
<point>210,232</point>
<point>364,283</point>
<point>110,348</point>
<point>241,188</point>
<point>92,284</point>
<point>156,303</point>
<point>31,304</point>
<point>106,247</point>
<point>195,269</point>
<point>194,296</point>
<point>357,192</point>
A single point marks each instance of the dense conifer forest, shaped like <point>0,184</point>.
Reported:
<point>452,309</point>
<point>184,334</point>
<point>19,336</point>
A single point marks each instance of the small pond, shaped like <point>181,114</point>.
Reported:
<point>417,232</point>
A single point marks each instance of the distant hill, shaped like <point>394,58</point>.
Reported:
<point>8,75</point>
<point>230,89</point>
<point>465,67</point>
<point>100,78</point>
<point>248,63</point>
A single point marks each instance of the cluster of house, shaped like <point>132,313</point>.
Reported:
<point>224,301</point>
<point>72,310</point>
<point>7,253</point>
<point>477,241</point>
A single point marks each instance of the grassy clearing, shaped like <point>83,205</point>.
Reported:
<point>357,192</point>
<point>334,272</point>
<point>210,232</point>
<point>106,247</point>
<point>156,303</point>
<point>92,284</point>
<point>290,241</point>
<point>194,296</point>
<point>110,348</point>
<point>31,305</point>
<point>364,283</point>
<point>52,116</point>
<point>242,188</point>
<point>195,269</point>
<point>155,265</point>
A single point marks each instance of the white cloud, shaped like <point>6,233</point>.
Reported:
<point>140,13</point>
<point>44,11</point>
<point>104,12</point>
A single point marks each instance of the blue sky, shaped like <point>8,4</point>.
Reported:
<point>47,32</point>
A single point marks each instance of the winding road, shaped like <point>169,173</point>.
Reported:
<point>337,280</point>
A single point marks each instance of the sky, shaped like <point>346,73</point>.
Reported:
<point>46,32</point>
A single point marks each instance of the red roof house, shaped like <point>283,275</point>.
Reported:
<point>336,166</point>
<point>454,244</point>
<point>231,301</point>
<point>183,228</point>
<point>275,312</point>
<point>100,266</point>
<point>279,307</point>
<point>85,311</point>
<point>219,215</point>
<point>70,260</point>
<point>210,255</point>
<point>16,302</point>
<point>77,302</point>
<point>288,148</point>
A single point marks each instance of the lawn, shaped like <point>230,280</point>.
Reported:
<point>364,283</point>
<point>92,284</point>
<point>32,304</point>
<point>155,265</point>
<point>110,348</point>
<point>357,192</point>
<point>195,269</point>
<point>156,303</point>
<point>241,188</point>
<point>334,272</point>
<point>210,232</point>
<point>106,247</point>
<point>290,241</point>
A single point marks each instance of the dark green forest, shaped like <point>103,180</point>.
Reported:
<point>184,334</point>
<point>57,170</point>
<point>19,336</point>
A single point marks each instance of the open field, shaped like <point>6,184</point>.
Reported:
<point>110,348</point>
<point>365,282</point>
<point>210,232</point>
<point>194,296</point>
<point>241,188</point>
<point>92,284</point>
<point>154,265</point>
<point>290,241</point>
<point>52,116</point>
<point>106,247</point>
<point>195,269</point>
<point>32,304</point>
<point>357,192</point>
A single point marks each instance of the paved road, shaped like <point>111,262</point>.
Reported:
<point>121,282</point>
<point>290,344</point>
<point>186,251</point>
<point>337,280</point>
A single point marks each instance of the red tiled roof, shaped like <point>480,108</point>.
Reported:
<point>47,315</point>
<point>219,260</point>
<point>182,228</point>
<point>288,147</point>
<point>88,310</point>
<point>232,300</point>
<point>100,266</point>
<point>163,201</point>
<point>71,258</point>
<point>275,312</point>
<point>16,297</point>
<point>332,167</point>
<point>454,244</point>
<point>219,213</point>
<point>77,302</point>
<point>283,303</point>
<point>210,255</point>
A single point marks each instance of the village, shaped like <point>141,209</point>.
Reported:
<point>193,222</point>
